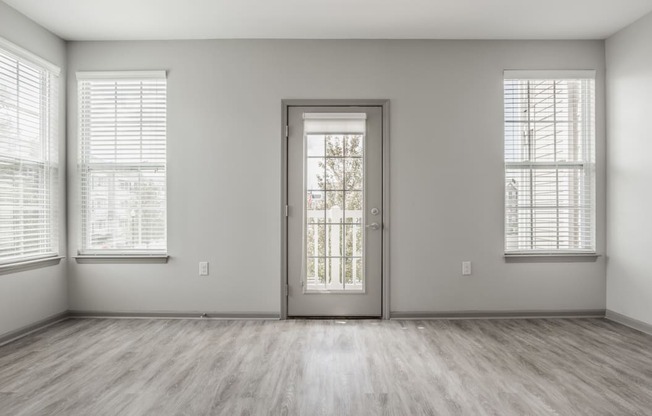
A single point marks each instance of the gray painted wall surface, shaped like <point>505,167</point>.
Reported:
<point>224,101</point>
<point>30,296</point>
<point>629,81</point>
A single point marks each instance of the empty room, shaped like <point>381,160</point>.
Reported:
<point>301,207</point>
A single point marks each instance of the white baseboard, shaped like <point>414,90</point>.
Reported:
<point>522,314</point>
<point>630,322</point>
<point>174,315</point>
<point>31,328</point>
<point>44,323</point>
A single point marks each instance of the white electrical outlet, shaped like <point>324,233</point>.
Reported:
<point>203,268</point>
<point>466,268</point>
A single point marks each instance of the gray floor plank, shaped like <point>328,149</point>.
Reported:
<point>209,367</point>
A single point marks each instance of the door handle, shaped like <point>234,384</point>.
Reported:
<point>374,226</point>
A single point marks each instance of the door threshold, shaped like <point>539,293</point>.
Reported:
<point>338,318</point>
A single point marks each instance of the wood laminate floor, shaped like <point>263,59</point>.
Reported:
<point>95,367</point>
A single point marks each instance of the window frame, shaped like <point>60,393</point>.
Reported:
<point>586,167</point>
<point>122,255</point>
<point>49,137</point>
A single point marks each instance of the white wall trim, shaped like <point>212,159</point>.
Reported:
<point>630,322</point>
<point>174,315</point>
<point>30,264</point>
<point>23,54</point>
<point>31,328</point>
<point>122,75</point>
<point>384,104</point>
<point>126,259</point>
<point>550,74</point>
<point>521,314</point>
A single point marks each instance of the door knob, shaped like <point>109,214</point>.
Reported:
<point>374,226</point>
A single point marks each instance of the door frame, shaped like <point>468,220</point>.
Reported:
<point>285,106</point>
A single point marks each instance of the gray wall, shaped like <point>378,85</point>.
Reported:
<point>224,101</point>
<point>629,81</point>
<point>30,296</point>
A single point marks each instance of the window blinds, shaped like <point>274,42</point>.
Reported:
<point>341,123</point>
<point>549,162</point>
<point>28,156</point>
<point>123,162</point>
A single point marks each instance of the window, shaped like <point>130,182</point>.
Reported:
<point>123,162</point>
<point>28,156</point>
<point>549,162</point>
<point>334,188</point>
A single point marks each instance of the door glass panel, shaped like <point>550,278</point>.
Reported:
<point>315,145</point>
<point>334,273</point>
<point>334,172</point>
<point>314,173</point>
<point>353,241</point>
<point>353,145</point>
<point>334,192</point>
<point>316,272</point>
<point>353,207</point>
<point>316,244</point>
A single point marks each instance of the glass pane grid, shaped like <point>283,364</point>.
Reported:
<point>123,154</point>
<point>334,206</point>
<point>28,150</point>
<point>549,142</point>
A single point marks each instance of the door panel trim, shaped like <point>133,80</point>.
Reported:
<point>369,302</point>
<point>285,106</point>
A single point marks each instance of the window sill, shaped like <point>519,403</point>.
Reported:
<point>551,257</point>
<point>20,266</point>
<point>124,259</point>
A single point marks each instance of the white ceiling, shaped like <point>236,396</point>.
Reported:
<point>333,19</point>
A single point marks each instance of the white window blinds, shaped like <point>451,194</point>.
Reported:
<point>549,162</point>
<point>122,119</point>
<point>28,156</point>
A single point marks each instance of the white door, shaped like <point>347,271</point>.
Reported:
<point>335,211</point>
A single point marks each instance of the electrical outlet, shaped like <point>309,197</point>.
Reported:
<point>203,268</point>
<point>466,268</point>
